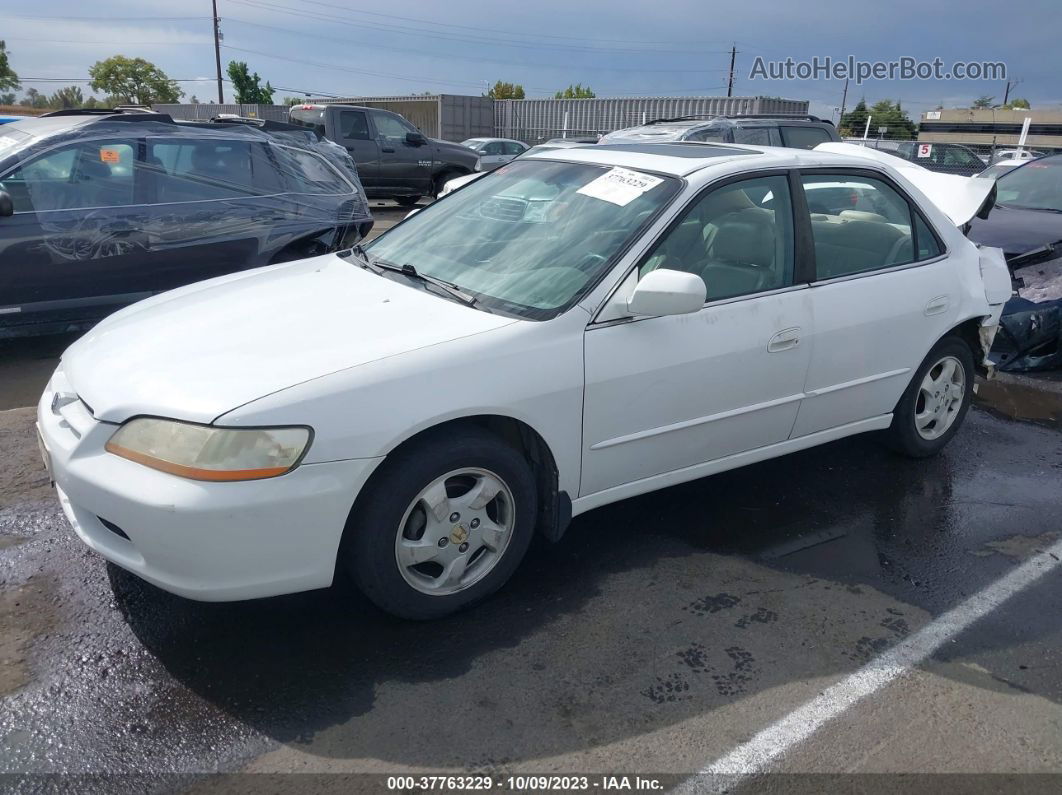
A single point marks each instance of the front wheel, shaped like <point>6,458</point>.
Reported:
<point>445,525</point>
<point>407,201</point>
<point>936,401</point>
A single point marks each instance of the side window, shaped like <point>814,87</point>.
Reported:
<point>305,172</point>
<point>354,124</point>
<point>756,136</point>
<point>513,148</point>
<point>389,126</point>
<point>493,148</point>
<point>858,224</point>
<point>738,238</point>
<point>804,137</point>
<point>83,175</point>
<point>928,247</point>
<point>707,134</point>
<point>196,170</point>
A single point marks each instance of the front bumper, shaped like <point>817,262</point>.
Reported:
<point>206,541</point>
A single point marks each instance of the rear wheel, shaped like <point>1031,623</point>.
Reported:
<point>407,201</point>
<point>936,401</point>
<point>440,181</point>
<point>446,524</point>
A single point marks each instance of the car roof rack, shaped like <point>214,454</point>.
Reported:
<point>267,125</point>
<point>116,111</point>
<point>785,116</point>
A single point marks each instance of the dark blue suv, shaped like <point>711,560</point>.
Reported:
<point>98,210</point>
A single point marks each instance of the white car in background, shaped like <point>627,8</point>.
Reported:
<point>494,152</point>
<point>555,143</point>
<point>587,325</point>
<point>1001,167</point>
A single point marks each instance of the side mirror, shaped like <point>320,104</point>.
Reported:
<point>416,138</point>
<point>7,207</point>
<point>667,292</point>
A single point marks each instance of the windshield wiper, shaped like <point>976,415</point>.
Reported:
<point>408,270</point>
<point>377,265</point>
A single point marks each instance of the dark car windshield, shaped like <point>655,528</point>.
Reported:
<point>1037,185</point>
<point>532,237</point>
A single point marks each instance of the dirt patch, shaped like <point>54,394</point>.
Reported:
<point>22,476</point>
<point>25,612</point>
<point>1018,547</point>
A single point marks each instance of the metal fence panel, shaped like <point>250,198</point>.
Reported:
<point>535,120</point>
<point>205,111</point>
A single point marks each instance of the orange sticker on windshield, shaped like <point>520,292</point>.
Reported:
<point>110,155</point>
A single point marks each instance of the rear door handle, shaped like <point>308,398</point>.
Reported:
<point>784,340</point>
<point>937,305</point>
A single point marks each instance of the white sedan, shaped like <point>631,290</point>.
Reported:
<point>584,326</point>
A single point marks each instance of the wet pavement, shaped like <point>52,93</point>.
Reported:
<point>656,635</point>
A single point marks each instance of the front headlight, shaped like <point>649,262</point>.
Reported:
<point>201,452</point>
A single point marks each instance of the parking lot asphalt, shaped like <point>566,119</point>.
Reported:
<point>661,634</point>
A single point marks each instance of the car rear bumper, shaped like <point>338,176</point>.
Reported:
<point>206,541</point>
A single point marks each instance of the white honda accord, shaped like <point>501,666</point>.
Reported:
<point>578,327</point>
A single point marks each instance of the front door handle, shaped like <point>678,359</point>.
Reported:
<point>387,149</point>
<point>784,340</point>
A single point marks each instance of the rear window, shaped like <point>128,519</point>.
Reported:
<point>308,117</point>
<point>305,172</point>
<point>197,170</point>
<point>804,137</point>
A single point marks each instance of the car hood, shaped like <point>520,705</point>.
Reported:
<point>1019,232</point>
<point>203,350</point>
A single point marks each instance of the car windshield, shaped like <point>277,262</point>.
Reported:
<point>531,238</point>
<point>1037,185</point>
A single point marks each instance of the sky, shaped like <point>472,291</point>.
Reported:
<point>617,47</point>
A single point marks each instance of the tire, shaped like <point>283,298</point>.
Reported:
<point>911,434</point>
<point>440,182</point>
<point>384,524</point>
<point>407,201</point>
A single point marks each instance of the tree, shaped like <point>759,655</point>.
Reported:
<point>249,91</point>
<point>575,92</point>
<point>8,98</point>
<point>69,97</point>
<point>293,101</point>
<point>982,102</point>
<point>194,99</point>
<point>34,99</point>
<point>92,102</point>
<point>8,78</point>
<point>885,113</point>
<point>1017,103</point>
<point>133,81</point>
<point>854,122</point>
<point>502,90</point>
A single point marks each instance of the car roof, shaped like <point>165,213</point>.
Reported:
<point>682,158</point>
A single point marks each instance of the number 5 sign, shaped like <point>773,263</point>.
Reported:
<point>925,150</point>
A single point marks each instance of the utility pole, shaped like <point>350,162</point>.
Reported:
<point>217,51</point>
<point>1006,93</point>
<point>844,99</point>
<point>730,83</point>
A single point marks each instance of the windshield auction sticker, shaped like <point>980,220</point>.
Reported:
<point>619,186</point>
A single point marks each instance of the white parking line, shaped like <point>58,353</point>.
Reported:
<point>753,757</point>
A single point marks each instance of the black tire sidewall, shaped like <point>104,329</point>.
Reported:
<point>369,548</point>
<point>903,434</point>
<point>407,201</point>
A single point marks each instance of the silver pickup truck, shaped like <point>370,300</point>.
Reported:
<point>395,160</point>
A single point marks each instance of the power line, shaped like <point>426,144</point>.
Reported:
<point>320,37</point>
<point>493,30</point>
<point>444,36</point>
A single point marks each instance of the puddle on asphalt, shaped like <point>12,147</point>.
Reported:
<point>26,611</point>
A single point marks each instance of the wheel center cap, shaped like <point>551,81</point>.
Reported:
<point>459,534</point>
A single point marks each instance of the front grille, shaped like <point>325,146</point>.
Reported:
<point>502,208</point>
<point>113,528</point>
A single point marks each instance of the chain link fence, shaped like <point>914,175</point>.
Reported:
<point>956,156</point>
